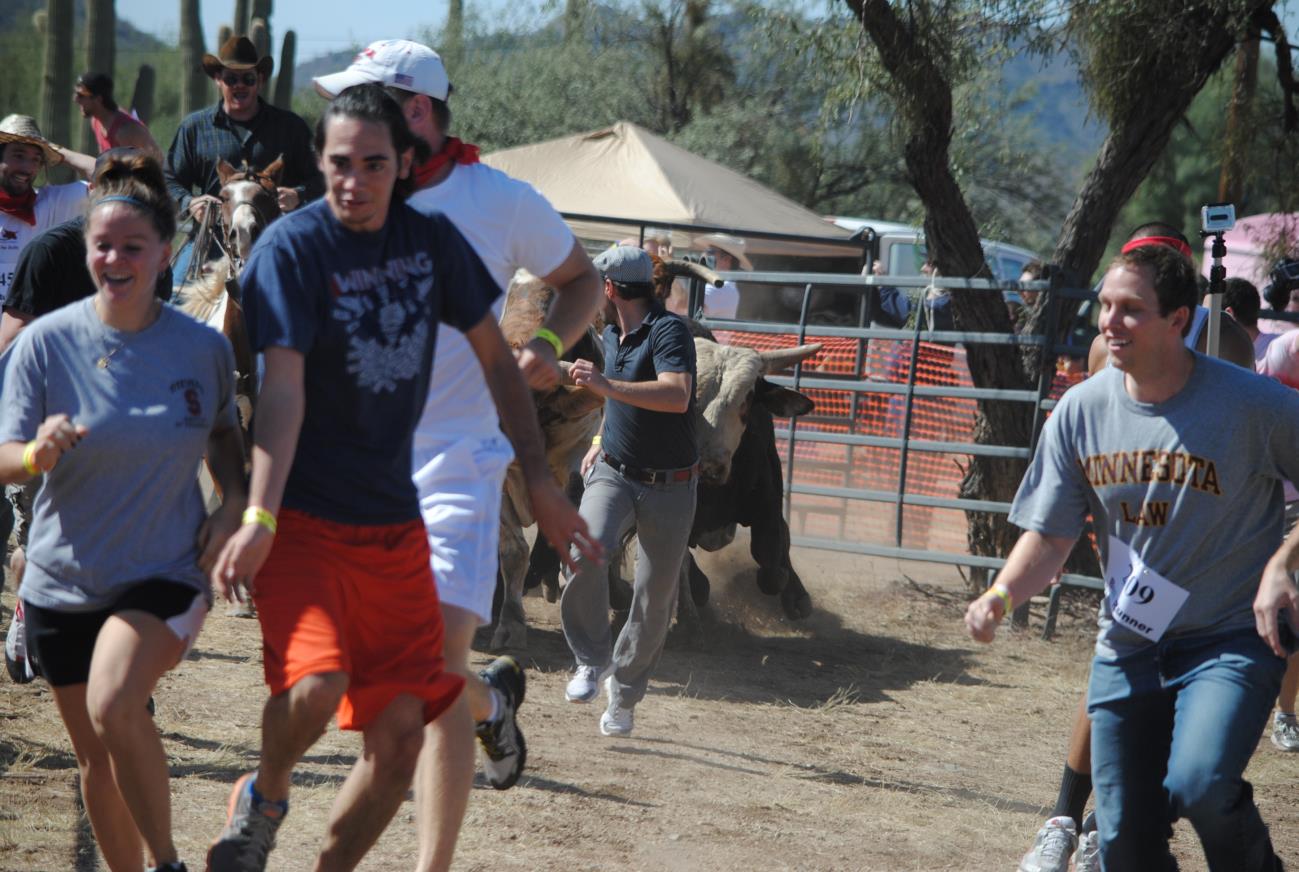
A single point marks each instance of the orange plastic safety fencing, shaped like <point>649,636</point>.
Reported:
<point>933,474</point>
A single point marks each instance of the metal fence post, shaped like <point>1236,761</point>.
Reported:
<point>793,422</point>
<point>907,405</point>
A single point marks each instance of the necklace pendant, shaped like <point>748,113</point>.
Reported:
<point>102,363</point>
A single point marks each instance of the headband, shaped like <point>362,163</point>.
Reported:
<point>1171,241</point>
<point>122,198</point>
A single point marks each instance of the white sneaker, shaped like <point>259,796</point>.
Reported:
<point>1285,733</point>
<point>1052,848</point>
<point>616,720</point>
<point>17,663</point>
<point>584,686</point>
<point>1088,856</point>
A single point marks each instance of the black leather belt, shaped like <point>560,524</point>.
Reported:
<point>651,476</point>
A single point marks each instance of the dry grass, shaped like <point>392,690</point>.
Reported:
<point>873,736</point>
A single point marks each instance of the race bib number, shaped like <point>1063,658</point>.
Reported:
<point>1139,598</point>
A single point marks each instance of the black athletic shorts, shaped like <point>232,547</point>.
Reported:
<point>62,642</point>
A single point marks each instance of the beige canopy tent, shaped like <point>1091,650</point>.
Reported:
<point>625,172</point>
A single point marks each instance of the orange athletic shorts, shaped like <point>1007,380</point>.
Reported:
<point>335,597</point>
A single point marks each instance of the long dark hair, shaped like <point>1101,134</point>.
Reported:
<point>136,179</point>
<point>372,103</point>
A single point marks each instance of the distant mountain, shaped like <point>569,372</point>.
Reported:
<point>1054,102</point>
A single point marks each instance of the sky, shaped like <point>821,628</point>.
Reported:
<point>322,26</point>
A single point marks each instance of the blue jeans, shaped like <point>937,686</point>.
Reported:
<point>1173,727</point>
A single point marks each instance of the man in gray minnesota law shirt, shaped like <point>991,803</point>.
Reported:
<point>1179,459</point>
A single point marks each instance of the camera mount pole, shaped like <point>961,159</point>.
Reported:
<point>1217,286</point>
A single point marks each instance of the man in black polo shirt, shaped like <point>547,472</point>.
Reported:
<point>641,470</point>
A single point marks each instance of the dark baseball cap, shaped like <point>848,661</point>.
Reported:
<point>626,265</point>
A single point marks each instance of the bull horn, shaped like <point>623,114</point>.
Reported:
<point>784,358</point>
<point>690,268</point>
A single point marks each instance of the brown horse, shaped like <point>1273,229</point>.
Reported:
<point>248,204</point>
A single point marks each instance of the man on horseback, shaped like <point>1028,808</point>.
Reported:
<point>241,129</point>
<point>460,458</point>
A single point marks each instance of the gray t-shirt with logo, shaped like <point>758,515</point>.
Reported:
<point>124,505</point>
<point>1186,493</point>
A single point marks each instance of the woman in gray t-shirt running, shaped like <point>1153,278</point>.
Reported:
<point>116,399</point>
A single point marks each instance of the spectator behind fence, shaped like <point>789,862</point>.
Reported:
<point>1241,301</point>
<point>727,255</point>
<point>115,589</point>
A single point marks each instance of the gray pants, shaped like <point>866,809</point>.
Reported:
<point>662,515</point>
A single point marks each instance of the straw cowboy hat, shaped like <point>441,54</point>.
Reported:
<point>238,54</point>
<point>22,128</point>
<point>732,245</point>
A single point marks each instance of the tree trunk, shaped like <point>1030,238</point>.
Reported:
<point>56,83</point>
<point>142,96</point>
<point>101,24</point>
<point>952,238</point>
<point>1231,184</point>
<point>194,93</point>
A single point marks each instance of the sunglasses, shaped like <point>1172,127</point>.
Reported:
<point>231,79</point>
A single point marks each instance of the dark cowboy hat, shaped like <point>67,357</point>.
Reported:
<point>238,53</point>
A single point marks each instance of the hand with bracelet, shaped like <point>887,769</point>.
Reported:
<point>243,555</point>
<point>56,435</point>
<point>986,612</point>
<point>539,360</point>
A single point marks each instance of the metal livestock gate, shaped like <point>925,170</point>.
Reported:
<point>875,469</point>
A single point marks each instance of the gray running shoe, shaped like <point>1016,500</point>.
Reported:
<point>249,835</point>
<point>1285,732</point>
<point>1088,856</point>
<point>1052,848</point>
<point>504,750</point>
<point>584,686</point>
<point>616,720</point>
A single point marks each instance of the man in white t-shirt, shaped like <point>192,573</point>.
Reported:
<point>727,253</point>
<point>460,454</point>
<point>24,210</point>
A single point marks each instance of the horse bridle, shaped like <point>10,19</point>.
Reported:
<point>267,208</point>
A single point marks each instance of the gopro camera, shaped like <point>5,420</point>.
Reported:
<point>1217,217</point>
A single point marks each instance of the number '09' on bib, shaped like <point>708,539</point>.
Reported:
<point>1139,598</point>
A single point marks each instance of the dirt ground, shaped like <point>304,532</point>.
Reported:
<point>873,736</point>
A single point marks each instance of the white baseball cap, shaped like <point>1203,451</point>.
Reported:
<point>396,62</point>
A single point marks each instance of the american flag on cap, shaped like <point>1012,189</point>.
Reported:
<point>403,79</point>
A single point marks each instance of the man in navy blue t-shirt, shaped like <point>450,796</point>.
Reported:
<point>344,297</point>
<point>642,469</point>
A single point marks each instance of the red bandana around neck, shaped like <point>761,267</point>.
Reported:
<point>22,207</point>
<point>453,149</point>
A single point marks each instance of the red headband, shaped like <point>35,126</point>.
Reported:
<point>1171,241</point>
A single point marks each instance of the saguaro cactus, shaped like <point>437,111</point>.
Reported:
<point>224,32</point>
<point>453,34</point>
<point>101,52</point>
<point>142,95</point>
<point>284,78</point>
<point>260,34</point>
<point>261,9</point>
<point>194,90</point>
<point>241,17</point>
<point>56,82</point>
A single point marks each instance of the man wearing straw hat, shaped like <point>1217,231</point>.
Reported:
<point>25,212</point>
<point>241,128</point>
<point>728,255</point>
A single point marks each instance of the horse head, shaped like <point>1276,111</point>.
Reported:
<point>249,202</point>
